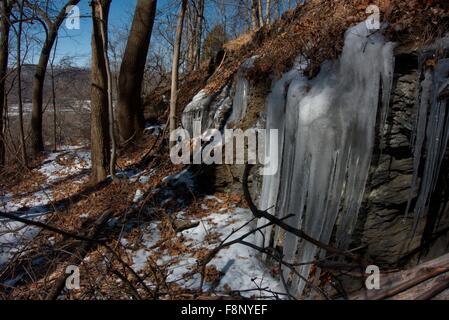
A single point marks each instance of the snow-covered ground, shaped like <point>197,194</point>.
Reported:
<point>70,161</point>
<point>55,169</point>
<point>239,267</point>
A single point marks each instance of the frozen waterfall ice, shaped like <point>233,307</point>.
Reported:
<point>431,131</point>
<point>328,127</point>
<point>219,110</point>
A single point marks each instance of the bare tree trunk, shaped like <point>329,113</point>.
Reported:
<point>104,38</point>
<point>255,15</point>
<point>19,88</point>
<point>199,35</point>
<point>100,138</point>
<point>277,6</point>
<point>37,141</point>
<point>191,35</point>
<point>130,111</point>
<point>53,98</point>
<point>5,11</point>
<point>246,13</point>
<point>175,67</point>
<point>260,10</point>
<point>268,12</point>
<point>195,16</point>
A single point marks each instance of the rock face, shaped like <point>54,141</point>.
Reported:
<point>384,229</point>
<point>384,233</point>
<point>383,226</point>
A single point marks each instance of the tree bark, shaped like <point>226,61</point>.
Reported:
<point>19,88</point>
<point>53,99</point>
<point>100,138</point>
<point>199,35</point>
<point>175,67</point>
<point>5,12</point>
<point>195,16</point>
<point>104,38</point>
<point>191,36</point>
<point>268,12</point>
<point>130,111</point>
<point>277,8</point>
<point>260,10</point>
<point>255,15</point>
<point>37,141</point>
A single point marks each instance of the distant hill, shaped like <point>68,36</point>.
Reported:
<point>70,83</point>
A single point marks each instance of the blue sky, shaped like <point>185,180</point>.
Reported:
<point>77,42</point>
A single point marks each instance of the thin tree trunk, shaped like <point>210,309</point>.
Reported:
<point>100,138</point>
<point>277,6</point>
<point>255,15</point>
<point>191,36</point>
<point>104,36</point>
<point>4,41</point>
<point>260,10</point>
<point>130,111</point>
<point>199,35</point>
<point>268,12</point>
<point>175,67</point>
<point>19,88</point>
<point>37,141</point>
<point>53,98</point>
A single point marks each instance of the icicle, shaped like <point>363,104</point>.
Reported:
<point>419,133</point>
<point>240,101</point>
<point>275,120</point>
<point>220,113</point>
<point>216,111</point>
<point>431,135</point>
<point>197,109</point>
<point>327,143</point>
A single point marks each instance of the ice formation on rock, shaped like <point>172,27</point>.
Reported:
<point>328,129</point>
<point>219,110</point>
<point>431,131</point>
<point>196,110</point>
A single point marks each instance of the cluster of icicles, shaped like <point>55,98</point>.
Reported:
<point>219,111</point>
<point>327,129</point>
<point>431,133</point>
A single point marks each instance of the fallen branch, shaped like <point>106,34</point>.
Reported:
<point>80,238</point>
<point>405,280</point>
<point>78,256</point>
<point>49,228</point>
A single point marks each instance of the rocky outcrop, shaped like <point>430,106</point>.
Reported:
<point>335,138</point>
<point>384,229</point>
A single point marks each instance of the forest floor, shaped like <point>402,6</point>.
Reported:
<point>159,229</point>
